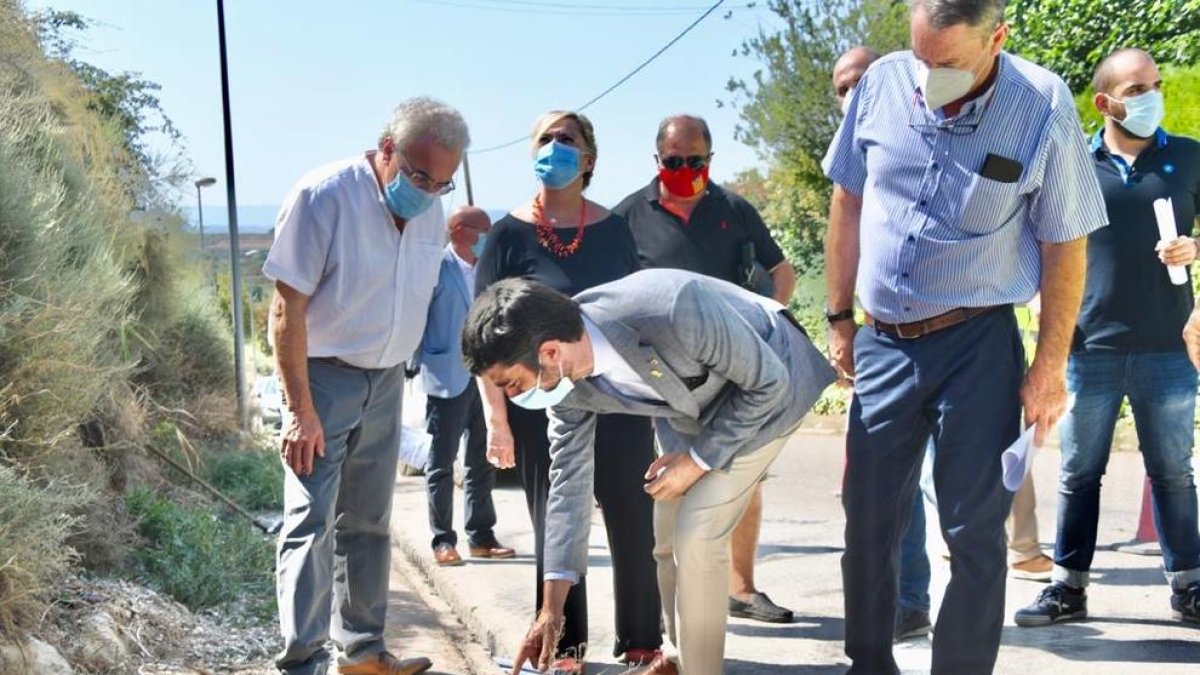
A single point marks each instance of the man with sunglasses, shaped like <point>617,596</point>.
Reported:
<point>358,245</point>
<point>962,186</point>
<point>681,220</point>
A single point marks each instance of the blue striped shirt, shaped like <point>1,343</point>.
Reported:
<point>936,235</point>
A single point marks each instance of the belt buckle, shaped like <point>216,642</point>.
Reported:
<point>900,332</point>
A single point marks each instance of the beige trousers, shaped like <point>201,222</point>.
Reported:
<point>692,550</point>
<point>1022,525</point>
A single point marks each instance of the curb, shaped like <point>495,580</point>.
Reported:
<point>419,560</point>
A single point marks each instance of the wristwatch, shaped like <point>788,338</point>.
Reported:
<point>844,315</point>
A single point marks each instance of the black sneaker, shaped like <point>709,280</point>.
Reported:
<point>1057,602</point>
<point>760,608</point>
<point>911,623</point>
<point>1185,605</point>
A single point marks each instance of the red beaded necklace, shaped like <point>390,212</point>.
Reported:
<point>548,238</point>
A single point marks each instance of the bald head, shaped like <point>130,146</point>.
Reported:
<point>466,225</point>
<point>849,69</point>
<point>1120,67</point>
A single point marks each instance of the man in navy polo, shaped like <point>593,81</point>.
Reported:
<point>1129,342</point>
<point>963,185</point>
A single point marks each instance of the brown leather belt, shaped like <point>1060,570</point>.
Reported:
<point>916,329</point>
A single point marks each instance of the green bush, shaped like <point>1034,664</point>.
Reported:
<point>253,477</point>
<point>33,528</point>
<point>198,557</point>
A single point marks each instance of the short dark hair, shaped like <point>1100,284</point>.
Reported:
<point>687,119</point>
<point>511,319</point>
<point>943,14</point>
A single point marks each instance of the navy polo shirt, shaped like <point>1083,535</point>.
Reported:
<point>711,240</point>
<point>1129,303</point>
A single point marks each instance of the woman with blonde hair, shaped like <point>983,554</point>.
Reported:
<point>562,239</point>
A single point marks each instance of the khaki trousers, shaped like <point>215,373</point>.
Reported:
<point>692,551</point>
<point>1022,525</point>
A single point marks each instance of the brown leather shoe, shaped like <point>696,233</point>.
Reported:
<point>1035,569</point>
<point>447,556</point>
<point>386,664</point>
<point>495,550</point>
<point>661,665</point>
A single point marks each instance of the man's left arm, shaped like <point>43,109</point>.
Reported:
<point>1044,392</point>
<point>767,251</point>
<point>1066,207</point>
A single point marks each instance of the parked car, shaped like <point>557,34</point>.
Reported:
<point>267,399</point>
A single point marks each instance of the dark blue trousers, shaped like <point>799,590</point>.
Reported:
<point>446,420</point>
<point>961,385</point>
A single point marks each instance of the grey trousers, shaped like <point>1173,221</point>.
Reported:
<point>334,554</point>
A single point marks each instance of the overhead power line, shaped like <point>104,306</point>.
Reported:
<point>576,9</point>
<point>619,82</point>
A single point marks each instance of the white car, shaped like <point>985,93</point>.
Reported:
<point>267,399</point>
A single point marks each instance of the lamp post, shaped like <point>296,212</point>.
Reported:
<point>202,183</point>
<point>239,357</point>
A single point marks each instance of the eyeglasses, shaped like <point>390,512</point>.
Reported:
<point>960,126</point>
<point>424,181</point>
<point>694,162</point>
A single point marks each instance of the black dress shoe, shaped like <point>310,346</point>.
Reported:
<point>760,608</point>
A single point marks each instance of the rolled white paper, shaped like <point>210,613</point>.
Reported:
<point>1164,213</point>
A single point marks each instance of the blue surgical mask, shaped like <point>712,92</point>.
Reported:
<point>556,165</point>
<point>1143,113</point>
<point>404,199</point>
<point>540,399</point>
<point>477,247</point>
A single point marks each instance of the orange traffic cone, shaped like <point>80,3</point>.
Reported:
<point>1145,541</point>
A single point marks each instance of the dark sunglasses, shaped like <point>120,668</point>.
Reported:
<point>694,162</point>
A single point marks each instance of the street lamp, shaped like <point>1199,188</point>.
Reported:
<point>202,183</point>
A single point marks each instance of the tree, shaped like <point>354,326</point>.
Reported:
<point>789,110</point>
<point>131,104</point>
<point>1070,37</point>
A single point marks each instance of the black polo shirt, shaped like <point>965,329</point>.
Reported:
<point>1129,303</point>
<point>711,240</point>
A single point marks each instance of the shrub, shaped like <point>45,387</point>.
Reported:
<point>33,556</point>
<point>251,477</point>
<point>197,557</point>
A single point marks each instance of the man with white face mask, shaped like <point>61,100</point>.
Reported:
<point>1129,342</point>
<point>963,186</point>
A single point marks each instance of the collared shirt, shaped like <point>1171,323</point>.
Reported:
<point>467,269</point>
<point>1129,303</point>
<point>935,234</point>
<point>709,242</point>
<point>369,285</point>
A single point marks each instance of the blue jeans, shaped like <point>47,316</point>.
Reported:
<point>915,572</point>
<point>960,385</point>
<point>1162,393</point>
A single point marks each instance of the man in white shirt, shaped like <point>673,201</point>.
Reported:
<point>357,249</point>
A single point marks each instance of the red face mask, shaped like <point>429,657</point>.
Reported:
<point>685,181</point>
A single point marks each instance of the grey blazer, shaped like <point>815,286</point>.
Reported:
<point>734,371</point>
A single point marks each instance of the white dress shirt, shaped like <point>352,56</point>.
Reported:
<point>467,269</point>
<point>369,285</point>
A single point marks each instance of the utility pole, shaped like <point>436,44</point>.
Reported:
<point>235,285</point>
<point>467,178</point>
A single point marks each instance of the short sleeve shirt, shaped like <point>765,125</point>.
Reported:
<point>710,241</point>
<point>938,229</point>
<point>1129,302</point>
<point>369,285</point>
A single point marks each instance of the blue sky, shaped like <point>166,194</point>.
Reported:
<point>314,81</point>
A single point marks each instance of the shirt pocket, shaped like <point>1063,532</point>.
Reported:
<point>989,205</point>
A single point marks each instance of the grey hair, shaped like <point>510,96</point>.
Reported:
<point>986,14</point>
<point>422,116</point>
<point>690,119</point>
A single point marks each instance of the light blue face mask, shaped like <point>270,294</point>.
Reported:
<point>540,399</point>
<point>1143,113</point>
<point>477,247</point>
<point>404,199</point>
<point>556,165</point>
